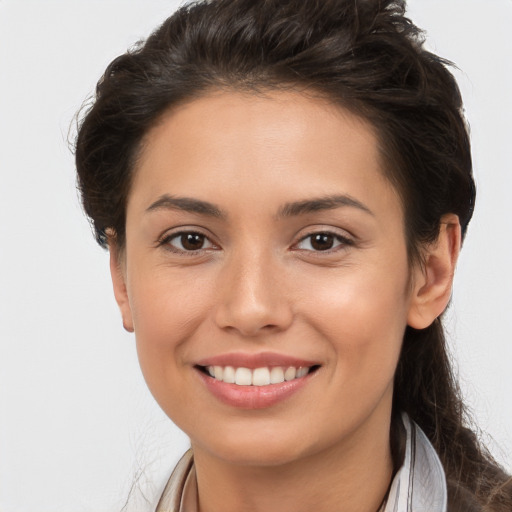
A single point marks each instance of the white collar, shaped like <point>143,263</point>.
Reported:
<point>418,486</point>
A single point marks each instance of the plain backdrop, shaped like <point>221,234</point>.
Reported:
<point>77,425</point>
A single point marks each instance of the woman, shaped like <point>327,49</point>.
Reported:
<point>283,187</point>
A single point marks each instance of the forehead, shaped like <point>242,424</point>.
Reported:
<point>230,144</point>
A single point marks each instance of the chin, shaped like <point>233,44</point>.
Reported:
<point>262,448</point>
<point>269,446</point>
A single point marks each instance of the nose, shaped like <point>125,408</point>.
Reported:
<point>252,298</point>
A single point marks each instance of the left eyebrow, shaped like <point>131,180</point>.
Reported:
<point>187,204</point>
<point>321,204</point>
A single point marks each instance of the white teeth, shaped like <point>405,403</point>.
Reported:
<point>261,377</point>
<point>302,372</point>
<point>258,377</point>
<point>229,375</point>
<point>276,375</point>
<point>290,373</point>
<point>243,377</point>
<point>218,372</point>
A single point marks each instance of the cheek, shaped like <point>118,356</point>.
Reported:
<point>167,310</point>
<point>168,303</point>
<point>363,315</point>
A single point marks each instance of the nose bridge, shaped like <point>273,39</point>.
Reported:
<point>251,296</point>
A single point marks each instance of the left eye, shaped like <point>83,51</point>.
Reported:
<point>322,242</point>
<point>188,241</point>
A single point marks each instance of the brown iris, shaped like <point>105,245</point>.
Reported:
<point>192,241</point>
<point>322,241</point>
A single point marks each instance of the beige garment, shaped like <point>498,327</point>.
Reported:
<point>180,493</point>
<point>418,486</point>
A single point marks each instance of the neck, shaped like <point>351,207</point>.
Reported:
<point>353,476</point>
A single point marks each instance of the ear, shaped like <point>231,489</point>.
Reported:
<point>432,286</point>
<point>118,273</point>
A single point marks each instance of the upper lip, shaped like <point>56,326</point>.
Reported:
<point>252,361</point>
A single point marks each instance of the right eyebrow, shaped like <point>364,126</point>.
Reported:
<point>321,204</point>
<point>187,204</point>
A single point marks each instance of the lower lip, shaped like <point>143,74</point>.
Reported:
<point>253,397</point>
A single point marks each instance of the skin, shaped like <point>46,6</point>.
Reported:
<point>257,284</point>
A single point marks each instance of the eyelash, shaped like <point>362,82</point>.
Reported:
<point>165,241</point>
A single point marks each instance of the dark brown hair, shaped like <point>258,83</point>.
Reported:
<point>365,56</point>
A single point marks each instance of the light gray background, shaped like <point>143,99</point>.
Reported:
<point>76,421</point>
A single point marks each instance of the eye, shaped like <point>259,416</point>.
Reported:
<point>322,241</point>
<point>187,241</point>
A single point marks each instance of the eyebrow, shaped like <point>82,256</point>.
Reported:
<point>187,204</point>
<point>321,204</point>
<point>293,209</point>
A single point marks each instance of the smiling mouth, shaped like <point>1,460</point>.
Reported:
<point>263,376</point>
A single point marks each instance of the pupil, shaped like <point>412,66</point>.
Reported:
<point>192,241</point>
<point>322,242</point>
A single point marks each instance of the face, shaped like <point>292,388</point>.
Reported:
<point>265,246</point>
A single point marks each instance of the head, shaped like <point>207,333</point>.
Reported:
<point>363,59</point>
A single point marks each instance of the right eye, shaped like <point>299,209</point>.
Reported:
<point>323,242</point>
<point>187,241</point>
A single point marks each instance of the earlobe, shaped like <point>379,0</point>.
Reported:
<point>119,285</point>
<point>432,285</point>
